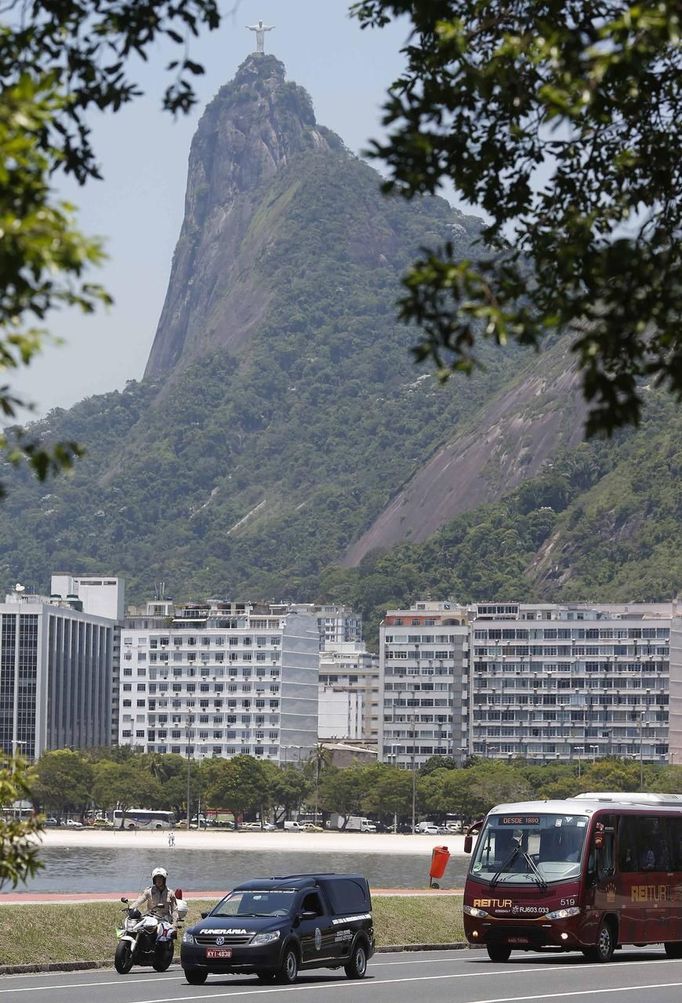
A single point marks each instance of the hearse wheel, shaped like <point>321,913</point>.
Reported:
<point>357,963</point>
<point>605,946</point>
<point>499,952</point>
<point>673,949</point>
<point>196,976</point>
<point>289,968</point>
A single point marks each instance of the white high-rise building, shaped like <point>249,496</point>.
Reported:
<point>570,681</point>
<point>423,673</point>
<point>348,693</point>
<point>220,679</point>
<point>56,675</point>
<point>101,595</point>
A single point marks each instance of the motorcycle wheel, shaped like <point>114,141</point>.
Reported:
<point>163,957</point>
<point>123,958</point>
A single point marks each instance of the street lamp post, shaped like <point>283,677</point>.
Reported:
<point>641,746</point>
<point>579,749</point>
<point>406,694</point>
<point>189,775</point>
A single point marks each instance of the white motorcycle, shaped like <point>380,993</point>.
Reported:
<point>144,940</point>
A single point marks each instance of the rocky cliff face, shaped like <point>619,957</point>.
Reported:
<point>257,125</point>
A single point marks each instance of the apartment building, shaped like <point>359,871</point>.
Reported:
<point>56,674</point>
<point>219,679</point>
<point>336,624</point>
<point>423,683</point>
<point>569,681</point>
<point>348,693</point>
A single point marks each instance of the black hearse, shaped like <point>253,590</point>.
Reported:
<point>274,927</point>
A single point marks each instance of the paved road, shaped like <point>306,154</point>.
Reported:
<point>439,977</point>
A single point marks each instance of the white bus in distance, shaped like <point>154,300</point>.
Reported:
<point>143,818</point>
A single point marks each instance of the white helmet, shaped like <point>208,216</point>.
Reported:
<point>159,872</point>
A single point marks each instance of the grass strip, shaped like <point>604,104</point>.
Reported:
<point>54,933</point>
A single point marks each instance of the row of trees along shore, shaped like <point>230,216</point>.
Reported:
<point>66,782</point>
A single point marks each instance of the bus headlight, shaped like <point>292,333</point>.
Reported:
<point>187,938</point>
<point>563,913</point>
<point>476,913</point>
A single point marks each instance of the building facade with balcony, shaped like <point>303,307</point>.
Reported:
<point>572,681</point>
<point>220,679</point>
<point>423,683</point>
<point>348,693</point>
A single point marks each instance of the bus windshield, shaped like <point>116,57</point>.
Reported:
<point>529,848</point>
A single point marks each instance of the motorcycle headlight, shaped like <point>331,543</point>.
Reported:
<point>476,913</point>
<point>563,913</point>
<point>187,938</point>
<point>265,938</point>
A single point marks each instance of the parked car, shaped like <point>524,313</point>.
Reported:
<point>431,829</point>
<point>311,827</point>
<point>72,823</point>
<point>51,821</point>
<point>274,927</point>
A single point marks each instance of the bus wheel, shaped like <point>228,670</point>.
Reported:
<point>498,952</point>
<point>673,949</point>
<point>605,946</point>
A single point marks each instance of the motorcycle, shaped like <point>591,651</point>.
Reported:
<point>143,940</point>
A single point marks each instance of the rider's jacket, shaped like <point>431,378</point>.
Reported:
<point>162,903</point>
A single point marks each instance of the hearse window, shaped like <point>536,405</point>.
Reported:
<point>311,903</point>
<point>347,895</point>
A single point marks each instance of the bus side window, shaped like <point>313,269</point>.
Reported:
<point>605,860</point>
<point>675,829</point>
<point>627,845</point>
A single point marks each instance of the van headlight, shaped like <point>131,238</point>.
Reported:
<point>563,913</point>
<point>265,938</point>
<point>187,938</point>
<point>476,913</point>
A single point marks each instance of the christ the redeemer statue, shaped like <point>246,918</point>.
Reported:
<point>260,30</point>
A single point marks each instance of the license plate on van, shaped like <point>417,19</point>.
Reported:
<point>218,952</point>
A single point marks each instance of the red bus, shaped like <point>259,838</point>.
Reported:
<point>589,874</point>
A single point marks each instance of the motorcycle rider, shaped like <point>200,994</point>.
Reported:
<point>159,900</point>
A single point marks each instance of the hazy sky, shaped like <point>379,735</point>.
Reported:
<point>143,153</point>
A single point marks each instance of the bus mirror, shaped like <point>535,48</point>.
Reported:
<point>600,833</point>
<point>468,842</point>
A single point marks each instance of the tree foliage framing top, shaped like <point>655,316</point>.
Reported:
<point>562,121</point>
<point>58,60</point>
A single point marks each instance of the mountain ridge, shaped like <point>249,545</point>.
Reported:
<point>281,416</point>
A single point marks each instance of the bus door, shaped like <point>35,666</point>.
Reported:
<point>646,882</point>
<point>600,887</point>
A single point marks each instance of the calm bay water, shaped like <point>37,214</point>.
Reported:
<point>83,869</point>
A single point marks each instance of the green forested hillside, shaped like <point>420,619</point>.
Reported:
<point>283,412</point>
<point>602,523</point>
<point>250,472</point>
